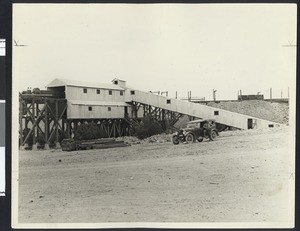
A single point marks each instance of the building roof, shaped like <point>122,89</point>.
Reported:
<point>199,120</point>
<point>67,82</point>
<point>98,103</point>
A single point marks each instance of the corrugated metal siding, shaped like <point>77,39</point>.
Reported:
<point>76,93</point>
<point>98,112</point>
<point>98,103</point>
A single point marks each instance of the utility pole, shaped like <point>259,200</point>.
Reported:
<point>189,95</point>
<point>281,94</point>
<point>271,93</point>
<point>214,94</point>
<point>176,95</point>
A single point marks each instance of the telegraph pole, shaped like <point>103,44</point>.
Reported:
<point>214,94</point>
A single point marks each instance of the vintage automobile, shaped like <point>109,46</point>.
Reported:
<point>196,130</point>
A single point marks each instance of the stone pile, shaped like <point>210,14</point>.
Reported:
<point>159,138</point>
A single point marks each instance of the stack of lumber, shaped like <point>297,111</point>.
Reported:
<point>71,145</point>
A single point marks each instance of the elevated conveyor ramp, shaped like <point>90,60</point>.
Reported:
<point>198,110</point>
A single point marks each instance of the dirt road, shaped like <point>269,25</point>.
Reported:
<point>242,176</point>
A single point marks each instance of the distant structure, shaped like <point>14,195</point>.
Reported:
<point>251,97</point>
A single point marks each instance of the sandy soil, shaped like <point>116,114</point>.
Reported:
<point>242,176</point>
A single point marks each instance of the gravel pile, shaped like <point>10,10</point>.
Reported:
<point>159,138</point>
<point>273,111</point>
<point>129,140</point>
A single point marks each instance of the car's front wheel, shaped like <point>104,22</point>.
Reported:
<point>213,135</point>
<point>190,138</point>
<point>175,140</point>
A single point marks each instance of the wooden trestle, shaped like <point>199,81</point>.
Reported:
<point>43,121</point>
<point>166,118</point>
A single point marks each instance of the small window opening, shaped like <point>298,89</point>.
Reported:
<point>90,108</point>
<point>121,92</point>
<point>98,91</point>
<point>84,90</point>
<point>109,108</point>
<point>116,82</point>
<point>132,92</point>
<point>271,125</point>
<point>216,112</point>
<point>168,101</point>
<point>110,92</point>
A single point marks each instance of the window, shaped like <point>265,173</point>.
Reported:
<point>121,92</point>
<point>109,108</point>
<point>168,101</point>
<point>84,90</point>
<point>271,125</point>
<point>116,82</point>
<point>110,92</point>
<point>90,108</point>
<point>98,91</point>
<point>132,92</point>
<point>216,112</point>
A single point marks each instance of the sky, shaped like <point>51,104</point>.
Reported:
<point>159,47</point>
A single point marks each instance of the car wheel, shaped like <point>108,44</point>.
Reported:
<point>213,135</point>
<point>200,139</point>
<point>175,140</point>
<point>189,138</point>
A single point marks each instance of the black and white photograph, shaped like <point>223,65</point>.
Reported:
<point>160,115</point>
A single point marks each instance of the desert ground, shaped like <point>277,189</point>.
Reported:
<point>242,176</point>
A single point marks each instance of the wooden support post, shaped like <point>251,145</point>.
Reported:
<point>68,129</point>
<point>21,124</point>
<point>46,126</point>
<point>114,128</point>
<point>34,146</point>
<point>57,144</point>
<point>38,114</point>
